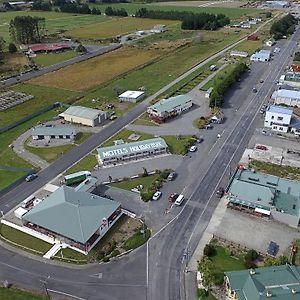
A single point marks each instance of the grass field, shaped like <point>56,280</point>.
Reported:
<point>7,177</point>
<point>114,27</point>
<point>44,59</point>
<point>24,239</point>
<point>16,294</point>
<point>87,74</point>
<point>87,163</point>
<point>43,96</point>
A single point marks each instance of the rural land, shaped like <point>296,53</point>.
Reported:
<point>149,150</point>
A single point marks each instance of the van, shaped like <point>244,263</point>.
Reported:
<point>179,200</point>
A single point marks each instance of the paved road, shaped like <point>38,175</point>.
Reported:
<point>129,277</point>
<point>27,76</point>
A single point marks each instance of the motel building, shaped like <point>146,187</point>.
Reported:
<point>131,151</point>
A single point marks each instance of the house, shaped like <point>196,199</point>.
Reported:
<point>266,195</point>
<point>49,47</point>
<point>291,79</point>
<point>262,55</point>
<point>278,118</point>
<point>252,37</point>
<point>287,97</point>
<point>278,4</point>
<point>208,92</point>
<point>270,42</point>
<point>17,5</point>
<point>53,132</point>
<point>238,53</point>
<point>84,115</point>
<point>276,282</point>
<point>168,108</point>
<point>132,96</point>
<point>77,218</point>
<point>126,152</point>
<point>158,29</point>
<point>295,68</point>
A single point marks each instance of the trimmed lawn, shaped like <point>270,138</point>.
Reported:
<point>43,96</point>
<point>16,294</point>
<point>178,146</point>
<point>87,163</point>
<point>24,239</point>
<point>8,177</point>
<point>114,27</point>
<point>90,73</point>
<point>287,172</point>
<point>130,184</point>
<point>68,253</point>
<point>49,59</point>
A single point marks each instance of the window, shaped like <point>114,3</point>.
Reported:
<point>281,128</point>
<point>52,136</point>
<point>279,118</point>
<point>274,127</point>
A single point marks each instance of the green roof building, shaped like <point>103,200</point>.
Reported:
<point>267,195</point>
<point>121,153</point>
<point>168,108</point>
<point>75,217</point>
<point>277,282</point>
<point>53,132</point>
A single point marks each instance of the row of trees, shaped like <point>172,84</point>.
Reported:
<point>12,48</point>
<point>221,86</point>
<point>27,29</point>
<point>189,20</point>
<point>283,27</point>
<point>42,5</point>
<point>72,7</point>
<point>109,11</point>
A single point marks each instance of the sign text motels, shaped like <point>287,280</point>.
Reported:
<point>131,149</point>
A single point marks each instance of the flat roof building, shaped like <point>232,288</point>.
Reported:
<point>238,53</point>
<point>278,118</point>
<point>267,195</point>
<point>132,96</point>
<point>287,97</point>
<point>168,108</point>
<point>278,4</point>
<point>290,78</point>
<point>261,56</point>
<point>131,151</point>
<point>278,282</point>
<point>78,218</point>
<point>84,115</point>
<point>53,132</point>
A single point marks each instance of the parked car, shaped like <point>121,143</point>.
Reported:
<point>156,195</point>
<point>261,147</point>
<point>261,81</point>
<point>193,149</point>
<point>254,90</point>
<point>220,192</point>
<point>172,176</point>
<point>31,177</point>
<point>173,197</point>
<point>200,139</point>
<point>110,106</point>
<point>113,117</point>
<point>208,126</point>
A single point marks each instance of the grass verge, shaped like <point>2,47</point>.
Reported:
<point>87,163</point>
<point>17,294</point>
<point>48,59</point>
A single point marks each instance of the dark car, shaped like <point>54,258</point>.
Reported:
<point>173,197</point>
<point>172,176</point>
<point>220,192</point>
<point>31,177</point>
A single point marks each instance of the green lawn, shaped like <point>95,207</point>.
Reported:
<point>137,239</point>
<point>44,59</point>
<point>8,177</point>
<point>16,294</point>
<point>24,239</point>
<point>71,254</point>
<point>178,146</point>
<point>130,184</point>
<point>43,96</point>
<point>87,163</point>
<point>287,172</point>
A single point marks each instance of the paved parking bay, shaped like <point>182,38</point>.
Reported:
<point>134,168</point>
<point>254,232</point>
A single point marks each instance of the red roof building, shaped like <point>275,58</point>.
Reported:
<point>49,47</point>
<point>252,37</point>
<point>295,68</point>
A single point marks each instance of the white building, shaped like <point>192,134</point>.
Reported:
<point>132,96</point>
<point>208,92</point>
<point>158,29</point>
<point>270,43</point>
<point>278,118</point>
<point>291,79</point>
<point>53,132</point>
<point>238,53</point>
<point>262,55</point>
<point>84,115</point>
<point>287,97</point>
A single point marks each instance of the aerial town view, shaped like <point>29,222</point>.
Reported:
<point>149,150</point>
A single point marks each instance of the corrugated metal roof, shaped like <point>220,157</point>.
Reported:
<point>129,148</point>
<point>83,112</point>
<point>280,110</point>
<point>131,94</point>
<point>75,215</point>
<point>170,103</point>
<point>288,94</point>
<point>54,130</point>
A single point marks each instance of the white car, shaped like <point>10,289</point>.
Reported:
<point>193,149</point>
<point>156,196</point>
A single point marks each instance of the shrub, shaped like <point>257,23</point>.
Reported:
<point>147,196</point>
<point>12,48</point>
<point>218,278</point>
<point>115,253</point>
<point>165,173</point>
<point>251,255</point>
<point>202,293</point>
<point>209,250</point>
<point>105,259</point>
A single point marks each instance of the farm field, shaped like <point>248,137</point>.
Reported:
<point>114,27</point>
<point>48,59</point>
<point>95,71</point>
<point>233,4</point>
<point>43,96</point>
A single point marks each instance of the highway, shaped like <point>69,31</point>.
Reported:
<point>154,271</point>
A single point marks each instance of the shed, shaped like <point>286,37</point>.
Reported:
<point>132,96</point>
<point>20,212</point>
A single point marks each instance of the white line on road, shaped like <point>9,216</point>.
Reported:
<point>65,294</point>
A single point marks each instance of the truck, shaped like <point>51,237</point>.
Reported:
<point>76,177</point>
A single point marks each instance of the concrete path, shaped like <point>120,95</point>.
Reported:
<point>18,147</point>
<point>184,123</point>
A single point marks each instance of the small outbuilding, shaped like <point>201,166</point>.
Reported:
<point>132,96</point>
<point>208,92</point>
<point>261,56</point>
<point>84,115</point>
<point>238,53</point>
<point>53,132</point>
